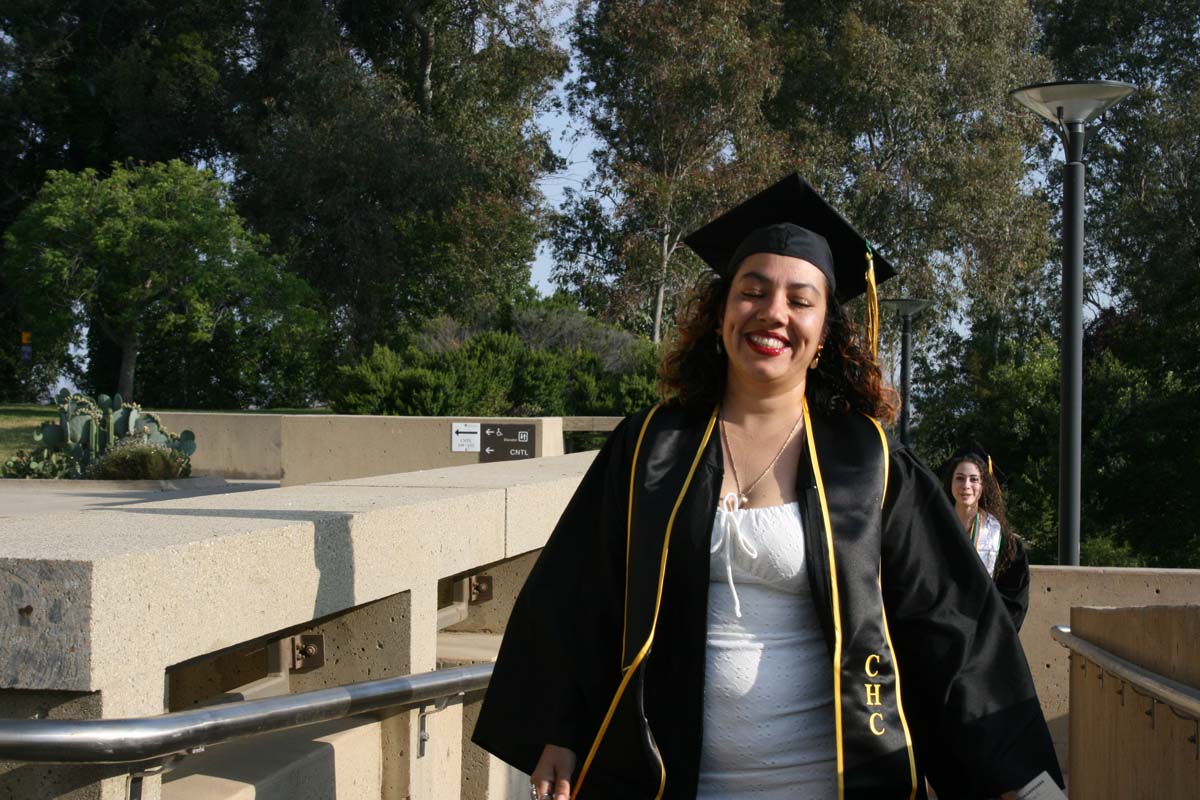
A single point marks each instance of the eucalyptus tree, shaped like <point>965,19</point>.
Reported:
<point>674,92</point>
<point>390,151</point>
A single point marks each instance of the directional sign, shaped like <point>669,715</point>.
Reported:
<point>464,437</point>
<point>505,442</point>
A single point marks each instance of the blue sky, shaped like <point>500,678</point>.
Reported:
<point>569,141</point>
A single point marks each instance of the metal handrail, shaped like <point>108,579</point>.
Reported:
<point>122,741</point>
<point>1184,699</point>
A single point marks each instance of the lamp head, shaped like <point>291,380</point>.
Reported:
<point>1067,102</point>
<point>906,306</point>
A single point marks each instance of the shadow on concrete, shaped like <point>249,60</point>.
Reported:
<point>25,499</point>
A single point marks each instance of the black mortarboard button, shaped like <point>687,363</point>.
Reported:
<point>772,216</point>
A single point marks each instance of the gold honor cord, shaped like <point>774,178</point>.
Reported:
<point>629,522</point>
<point>975,531</point>
<point>645,648</point>
<point>912,762</point>
<point>837,608</point>
<point>872,307</point>
<point>887,457</point>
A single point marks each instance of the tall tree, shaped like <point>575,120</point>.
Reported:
<point>899,112</point>
<point>86,84</point>
<point>145,252</point>
<point>389,150</point>
<point>674,91</point>
<point>1141,378</point>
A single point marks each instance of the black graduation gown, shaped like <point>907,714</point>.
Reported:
<point>1013,583</point>
<point>604,652</point>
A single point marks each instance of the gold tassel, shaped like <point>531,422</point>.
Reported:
<point>990,466</point>
<point>872,307</point>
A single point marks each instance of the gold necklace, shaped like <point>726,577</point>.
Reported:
<point>743,499</point>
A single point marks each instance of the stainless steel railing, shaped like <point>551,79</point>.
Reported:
<point>122,741</point>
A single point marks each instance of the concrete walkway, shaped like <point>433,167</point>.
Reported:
<point>31,498</point>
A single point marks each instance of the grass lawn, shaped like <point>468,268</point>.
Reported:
<point>17,424</point>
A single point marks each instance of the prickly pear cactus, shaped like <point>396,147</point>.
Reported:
<point>87,429</point>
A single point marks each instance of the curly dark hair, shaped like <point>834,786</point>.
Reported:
<point>991,501</point>
<point>846,378</point>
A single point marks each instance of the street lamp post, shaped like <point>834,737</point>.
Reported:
<point>906,308</point>
<point>1070,107</point>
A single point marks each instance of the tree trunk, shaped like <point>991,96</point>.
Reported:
<point>425,31</point>
<point>129,354</point>
<point>664,255</point>
<point>658,307</point>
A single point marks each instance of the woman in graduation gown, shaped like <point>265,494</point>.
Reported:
<point>979,503</point>
<point>754,590</point>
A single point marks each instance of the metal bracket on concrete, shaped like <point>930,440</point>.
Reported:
<point>422,713</point>
<point>481,589</point>
<point>308,652</point>
<point>159,766</point>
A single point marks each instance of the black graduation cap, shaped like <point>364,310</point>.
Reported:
<point>974,449</point>
<point>782,219</point>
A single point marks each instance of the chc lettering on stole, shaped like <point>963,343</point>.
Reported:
<point>873,699</point>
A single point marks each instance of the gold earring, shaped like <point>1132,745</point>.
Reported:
<point>817,358</point>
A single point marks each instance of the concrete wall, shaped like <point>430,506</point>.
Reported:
<point>314,448</point>
<point>111,600</point>
<point>329,447</point>
<point>1054,591</point>
<point>1123,744</point>
<point>232,445</point>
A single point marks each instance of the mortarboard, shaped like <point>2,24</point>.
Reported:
<point>790,218</point>
<point>976,450</point>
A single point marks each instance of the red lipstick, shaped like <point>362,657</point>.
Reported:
<point>761,349</point>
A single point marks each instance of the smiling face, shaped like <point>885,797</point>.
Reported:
<point>773,322</point>
<point>967,484</point>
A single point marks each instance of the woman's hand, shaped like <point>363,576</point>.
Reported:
<point>552,775</point>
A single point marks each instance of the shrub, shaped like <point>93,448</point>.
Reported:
<point>372,386</point>
<point>42,462</point>
<point>135,459</point>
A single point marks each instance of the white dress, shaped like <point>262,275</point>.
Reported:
<point>987,540</point>
<point>768,692</point>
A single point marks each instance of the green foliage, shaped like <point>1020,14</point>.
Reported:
<point>1003,393</point>
<point>42,462</point>
<point>1142,378</point>
<point>88,430</point>
<point>135,458</point>
<point>415,128</point>
<point>147,252</point>
<point>674,91</point>
<point>497,373</point>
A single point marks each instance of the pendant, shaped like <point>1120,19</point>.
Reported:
<point>743,500</point>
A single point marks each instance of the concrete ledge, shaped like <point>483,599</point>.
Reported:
<point>235,567</point>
